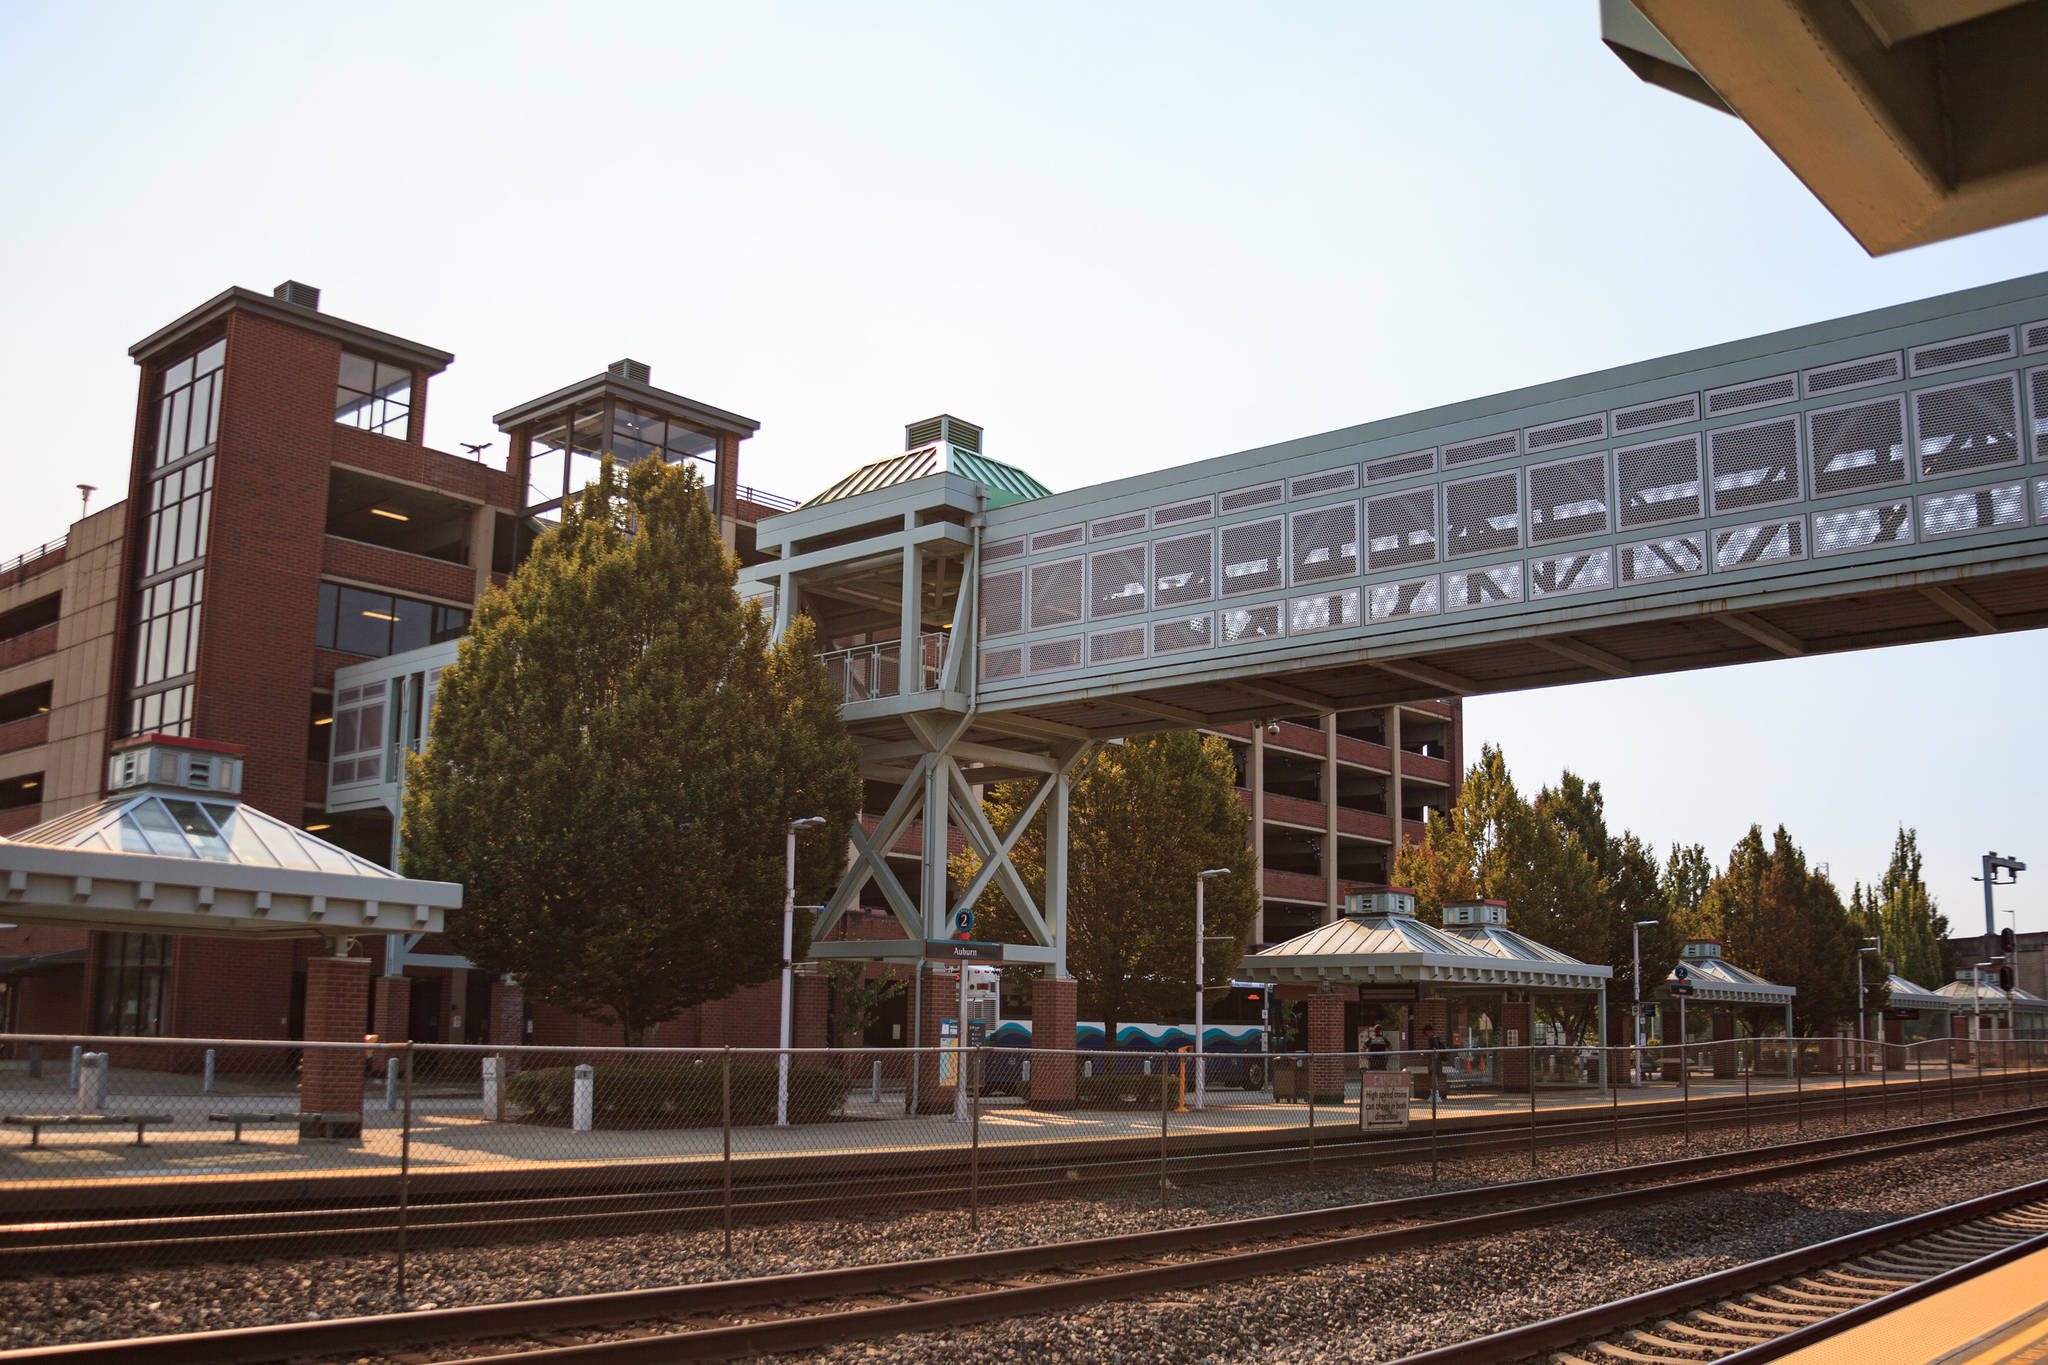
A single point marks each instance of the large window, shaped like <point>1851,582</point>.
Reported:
<point>130,998</point>
<point>373,396</point>
<point>188,408</point>
<point>361,621</point>
<point>164,638</point>
<point>565,451</point>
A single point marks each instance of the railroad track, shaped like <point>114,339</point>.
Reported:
<point>123,1237</point>
<point>721,1320</point>
<point>1773,1307</point>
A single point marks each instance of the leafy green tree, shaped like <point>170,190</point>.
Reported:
<point>857,999</point>
<point>1567,880</point>
<point>615,754</point>
<point>1145,816</point>
<point>1688,872</point>
<point>1787,923</point>
<point>1903,913</point>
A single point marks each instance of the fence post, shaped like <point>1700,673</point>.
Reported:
<point>206,1083</point>
<point>1951,1051</point>
<point>1844,1053</point>
<point>1162,1132</point>
<point>1309,1071</point>
<point>1798,1089</point>
<point>875,1083</point>
<point>1746,1071</point>
<point>77,1053</point>
<point>390,1084</point>
<point>1532,1109</point>
<point>583,1100</point>
<point>404,1170</point>
<point>974,1151</point>
<point>35,1061</point>
<point>1613,1096</point>
<point>1432,1133</point>
<point>1919,1081</point>
<point>725,1121</point>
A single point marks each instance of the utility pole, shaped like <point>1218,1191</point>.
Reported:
<point>1636,1014</point>
<point>1870,945</point>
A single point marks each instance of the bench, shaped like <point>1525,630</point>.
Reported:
<point>241,1121</point>
<point>35,1123</point>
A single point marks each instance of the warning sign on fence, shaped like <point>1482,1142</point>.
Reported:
<point>1382,1101</point>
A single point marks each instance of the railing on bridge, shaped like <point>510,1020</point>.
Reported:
<point>866,672</point>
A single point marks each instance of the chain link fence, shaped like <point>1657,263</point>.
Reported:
<point>258,1148</point>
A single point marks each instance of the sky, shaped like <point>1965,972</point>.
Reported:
<point>1120,237</point>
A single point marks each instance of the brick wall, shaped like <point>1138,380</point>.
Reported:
<point>403,573</point>
<point>331,1081</point>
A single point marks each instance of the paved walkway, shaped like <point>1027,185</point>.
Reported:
<point>450,1133</point>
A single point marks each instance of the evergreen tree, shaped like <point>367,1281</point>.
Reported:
<point>1905,917</point>
<point>1145,816</point>
<point>1687,875</point>
<point>615,754</point>
<point>1787,923</point>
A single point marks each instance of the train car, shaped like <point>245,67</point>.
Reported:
<point>1233,1039</point>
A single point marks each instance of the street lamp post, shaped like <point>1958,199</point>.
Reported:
<point>1201,1061</point>
<point>1636,983</point>
<point>1870,945</point>
<point>788,966</point>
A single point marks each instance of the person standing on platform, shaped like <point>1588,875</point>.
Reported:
<point>1377,1047</point>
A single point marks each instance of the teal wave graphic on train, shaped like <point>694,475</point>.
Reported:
<point>1236,1052</point>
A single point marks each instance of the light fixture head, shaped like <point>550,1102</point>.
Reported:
<point>1207,873</point>
<point>386,512</point>
<point>807,822</point>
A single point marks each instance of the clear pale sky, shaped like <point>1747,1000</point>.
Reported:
<point>1119,236</point>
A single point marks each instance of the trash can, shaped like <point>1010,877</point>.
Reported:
<point>1290,1076</point>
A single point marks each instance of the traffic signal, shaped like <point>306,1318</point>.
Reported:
<point>2005,941</point>
<point>2005,979</point>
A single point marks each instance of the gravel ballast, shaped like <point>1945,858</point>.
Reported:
<point>1368,1311</point>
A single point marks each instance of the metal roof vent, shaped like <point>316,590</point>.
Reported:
<point>1474,914</point>
<point>174,761</point>
<point>301,295</point>
<point>951,430</point>
<point>635,370</point>
<point>1391,900</point>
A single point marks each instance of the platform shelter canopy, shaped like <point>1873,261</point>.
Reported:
<point>1717,981</point>
<point>1907,995</point>
<point>1964,995</point>
<point>174,850</point>
<point>1398,949</point>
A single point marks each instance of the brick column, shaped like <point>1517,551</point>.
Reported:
<point>1326,1042</point>
<point>331,1081</point>
<point>811,1004</point>
<point>508,1020</point>
<point>1054,1006</point>
<point>941,1001</point>
<point>1895,1035</point>
<point>1724,1044</point>
<point>1428,1017</point>
<point>391,1010</point>
<point>1514,1065</point>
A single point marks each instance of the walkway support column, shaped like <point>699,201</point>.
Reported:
<point>1054,1001</point>
<point>1326,1041</point>
<point>330,1079</point>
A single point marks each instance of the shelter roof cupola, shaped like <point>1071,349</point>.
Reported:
<point>1700,948</point>
<point>940,445</point>
<point>1475,914</point>
<point>175,763</point>
<point>1386,900</point>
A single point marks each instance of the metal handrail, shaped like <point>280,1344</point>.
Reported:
<point>30,556</point>
<point>756,496</point>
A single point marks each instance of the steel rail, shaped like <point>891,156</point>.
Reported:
<point>107,1242</point>
<point>365,1335</point>
<point>1571,1329</point>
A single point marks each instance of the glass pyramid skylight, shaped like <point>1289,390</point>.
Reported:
<point>194,827</point>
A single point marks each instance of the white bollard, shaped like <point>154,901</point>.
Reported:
<point>875,1085</point>
<point>585,1099</point>
<point>206,1085</point>
<point>494,1104</point>
<point>92,1083</point>
<point>390,1084</point>
<point>76,1052</point>
<point>1027,1071</point>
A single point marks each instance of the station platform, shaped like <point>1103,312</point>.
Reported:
<point>1997,1318</point>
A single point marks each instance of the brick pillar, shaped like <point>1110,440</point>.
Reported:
<point>1054,1005</point>
<point>1515,1032</point>
<point>1895,1055</point>
<point>331,1081</point>
<point>508,1020</point>
<point>1429,1017</point>
<point>1326,1041</point>
<point>1830,1054</point>
<point>941,1001</point>
<point>1724,1044</point>
<point>391,1008</point>
<point>811,1004</point>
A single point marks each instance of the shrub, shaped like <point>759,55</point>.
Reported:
<point>677,1094</point>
